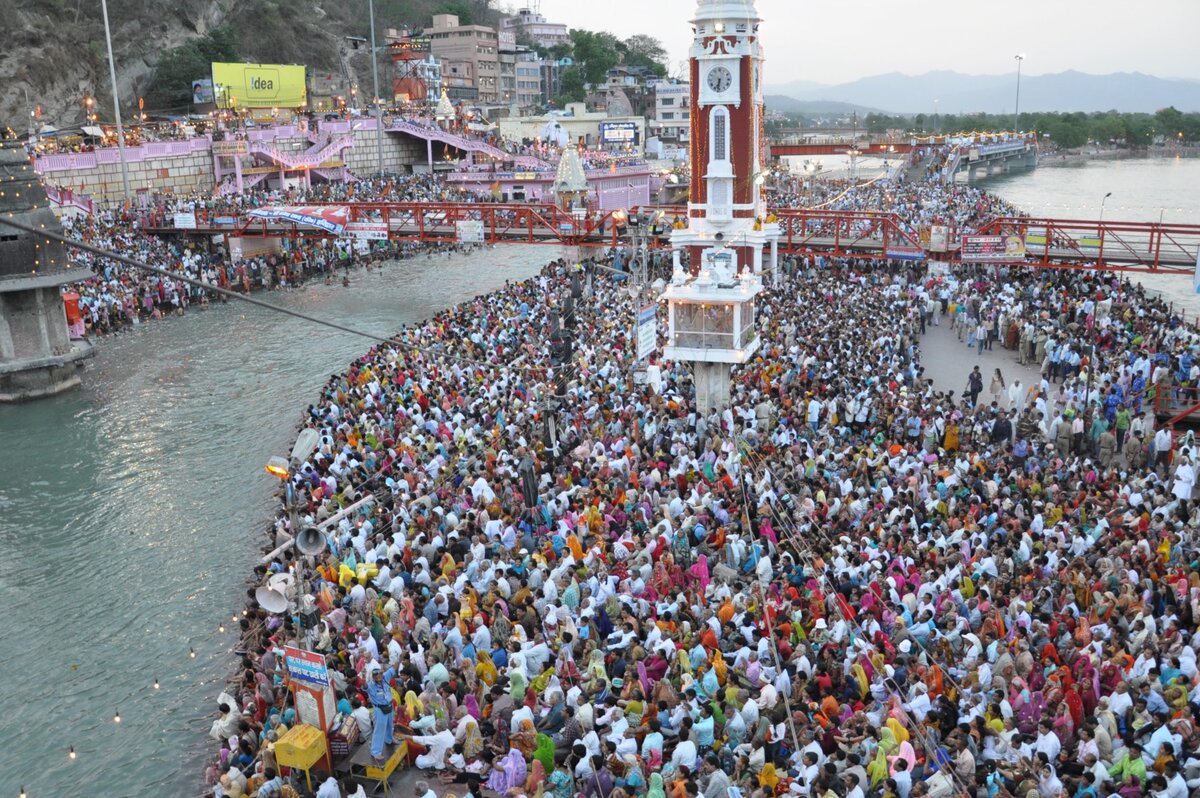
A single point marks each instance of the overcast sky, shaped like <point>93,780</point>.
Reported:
<point>835,41</point>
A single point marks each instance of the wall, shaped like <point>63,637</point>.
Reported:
<point>399,151</point>
<point>180,167</point>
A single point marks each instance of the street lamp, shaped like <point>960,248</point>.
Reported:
<point>378,105</point>
<point>936,125</point>
<point>1103,200</point>
<point>1017,105</point>
<point>112,73</point>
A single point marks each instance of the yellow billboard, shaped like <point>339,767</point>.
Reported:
<point>259,86</point>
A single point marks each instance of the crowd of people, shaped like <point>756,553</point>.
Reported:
<point>115,296</point>
<point>849,582</point>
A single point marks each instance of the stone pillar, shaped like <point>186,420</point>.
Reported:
<point>712,386</point>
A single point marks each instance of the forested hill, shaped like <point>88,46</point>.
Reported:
<point>54,53</point>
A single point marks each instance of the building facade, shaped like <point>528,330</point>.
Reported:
<point>672,118</point>
<point>528,23</point>
<point>470,57</point>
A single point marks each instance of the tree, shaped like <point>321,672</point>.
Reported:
<point>594,53</point>
<point>571,86</point>
<point>645,51</point>
<point>171,87</point>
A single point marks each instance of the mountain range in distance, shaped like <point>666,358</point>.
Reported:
<point>956,93</point>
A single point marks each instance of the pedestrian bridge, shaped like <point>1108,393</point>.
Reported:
<point>878,235</point>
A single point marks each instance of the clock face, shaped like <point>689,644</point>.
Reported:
<point>719,79</point>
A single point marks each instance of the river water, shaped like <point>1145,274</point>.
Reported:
<point>132,512</point>
<point>1143,190</point>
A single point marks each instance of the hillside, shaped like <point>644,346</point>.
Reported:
<point>54,52</point>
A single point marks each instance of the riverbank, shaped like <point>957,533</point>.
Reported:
<point>1089,154</point>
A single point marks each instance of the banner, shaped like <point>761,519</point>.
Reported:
<point>939,237</point>
<point>469,232</point>
<point>618,133</point>
<point>323,217</point>
<point>306,667</point>
<point>202,91</point>
<point>185,221</point>
<point>368,231</point>
<point>230,149</point>
<point>259,85</point>
<point>992,249</point>
<point>647,331</point>
<point>905,253</point>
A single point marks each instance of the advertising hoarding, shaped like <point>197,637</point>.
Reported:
<point>618,133</point>
<point>259,85</point>
<point>992,249</point>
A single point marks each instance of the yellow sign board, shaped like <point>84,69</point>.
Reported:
<point>259,86</point>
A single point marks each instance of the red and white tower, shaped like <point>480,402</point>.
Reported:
<point>727,144</point>
<point>712,302</point>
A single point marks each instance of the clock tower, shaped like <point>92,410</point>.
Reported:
<point>728,237</point>
<point>727,138</point>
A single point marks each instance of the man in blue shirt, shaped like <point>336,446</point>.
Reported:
<point>703,728</point>
<point>379,693</point>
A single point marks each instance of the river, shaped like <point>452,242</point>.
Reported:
<point>1143,190</point>
<point>132,512</point>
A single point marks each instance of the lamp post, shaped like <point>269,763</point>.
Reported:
<point>936,123</point>
<point>112,73</point>
<point>378,106</point>
<point>1017,105</point>
<point>1103,200</point>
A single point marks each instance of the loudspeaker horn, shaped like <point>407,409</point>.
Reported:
<point>310,541</point>
<point>282,583</point>
<point>271,600</point>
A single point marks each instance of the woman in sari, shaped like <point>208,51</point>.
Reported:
<point>508,772</point>
<point>525,738</point>
<point>656,790</point>
<point>536,779</point>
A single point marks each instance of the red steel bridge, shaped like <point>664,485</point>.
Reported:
<point>878,235</point>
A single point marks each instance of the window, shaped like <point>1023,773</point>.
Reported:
<point>668,101</point>
<point>668,115</point>
<point>720,134</point>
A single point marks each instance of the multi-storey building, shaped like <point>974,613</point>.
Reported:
<point>470,56</point>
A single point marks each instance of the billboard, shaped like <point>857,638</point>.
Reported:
<point>259,85</point>
<point>647,331</point>
<point>618,133</point>
<point>412,44</point>
<point>202,92</point>
<point>992,249</point>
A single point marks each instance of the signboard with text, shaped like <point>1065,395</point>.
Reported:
<point>259,85</point>
<point>618,133</point>
<point>368,231</point>
<point>185,221</point>
<point>306,667</point>
<point>992,249</point>
<point>469,232</point>
<point>647,331</point>
<point>230,149</point>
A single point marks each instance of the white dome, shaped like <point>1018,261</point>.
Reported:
<point>725,9</point>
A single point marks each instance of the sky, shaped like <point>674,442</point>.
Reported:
<point>837,41</point>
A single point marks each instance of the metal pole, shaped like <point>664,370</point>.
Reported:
<point>1017,104</point>
<point>378,99</point>
<point>112,73</point>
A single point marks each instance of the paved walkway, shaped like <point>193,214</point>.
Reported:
<point>948,361</point>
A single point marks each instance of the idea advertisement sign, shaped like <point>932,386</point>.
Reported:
<point>259,85</point>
